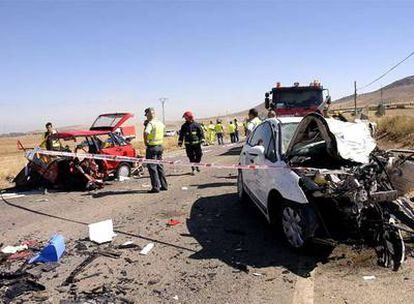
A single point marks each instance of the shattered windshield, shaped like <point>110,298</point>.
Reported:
<point>107,121</point>
<point>288,129</point>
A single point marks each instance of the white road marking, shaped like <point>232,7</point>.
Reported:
<point>304,289</point>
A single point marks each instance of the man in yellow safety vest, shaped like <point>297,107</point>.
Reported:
<point>231,128</point>
<point>153,139</point>
<point>253,121</point>
<point>211,133</point>
<point>49,141</point>
<point>219,130</point>
<point>237,129</point>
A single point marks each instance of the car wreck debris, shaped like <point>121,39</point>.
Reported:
<point>105,136</point>
<point>147,249</point>
<point>330,181</point>
<point>101,232</point>
<point>51,252</point>
<point>352,195</point>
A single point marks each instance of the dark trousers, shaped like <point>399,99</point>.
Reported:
<point>194,153</point>
<point>156,172</point>
<point>236,134</point>
<point>233,137</point>
<point>220,138</point>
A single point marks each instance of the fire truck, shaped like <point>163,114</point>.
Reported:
<point>297,100</point>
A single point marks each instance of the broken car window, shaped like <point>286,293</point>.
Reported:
<point>288,130</point>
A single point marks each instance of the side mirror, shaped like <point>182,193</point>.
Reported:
<point>267,100</point>
<point>256,151</point>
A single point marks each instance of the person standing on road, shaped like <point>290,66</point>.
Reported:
<point>253,121</point>
<point>219,129</point>
<point>193,136</point>
<point>232,132</point>
<point>153,139</point>
<point>236,129</point>
<point>211,133</point>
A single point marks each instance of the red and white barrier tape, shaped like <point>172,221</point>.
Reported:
<point>30,155</point>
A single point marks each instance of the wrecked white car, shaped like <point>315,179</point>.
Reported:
<point>326,179</point>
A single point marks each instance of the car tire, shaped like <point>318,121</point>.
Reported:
<point>298,224</point>
<point>241,193</point>
<point>124,170</point>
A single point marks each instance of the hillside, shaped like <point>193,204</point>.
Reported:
<point>399,91</point>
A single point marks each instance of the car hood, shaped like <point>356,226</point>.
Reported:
<point>110,121</point>
<point>344,140</point>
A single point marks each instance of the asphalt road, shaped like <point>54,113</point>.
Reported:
<point>220,252</point>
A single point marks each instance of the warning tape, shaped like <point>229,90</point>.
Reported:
<point>142,160</point>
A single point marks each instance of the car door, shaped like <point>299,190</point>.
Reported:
<point>260,137</point>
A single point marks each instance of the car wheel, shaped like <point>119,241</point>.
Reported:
<point>297,225</point>
<point>123,170</point>
<point>241,193</point>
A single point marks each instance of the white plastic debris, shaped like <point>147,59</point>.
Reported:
<point>14,249</point>
<point>184,188</point>
<point>175,297</point>
<point>123,178</point>
<point>368,278</point>
<point>101,232</point>
<point>147,249</point>
<point>257,274</point>
<point>12,195</point>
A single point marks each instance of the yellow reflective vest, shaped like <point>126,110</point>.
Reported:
<point>155,133</point>
<point>219,128</point>
<point>231,128</point>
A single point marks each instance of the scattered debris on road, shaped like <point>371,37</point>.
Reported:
<point>51,252</point>
<point>173,222</point>
<point>147,249</point>
<point>101,232</point>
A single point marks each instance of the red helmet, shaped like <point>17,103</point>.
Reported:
<point>188,115</point>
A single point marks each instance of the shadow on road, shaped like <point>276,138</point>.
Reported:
<point>112,192</point>
<point>214,185</point>
<point>232,151</point>
<point>239,236</point>
<point>178,174</point>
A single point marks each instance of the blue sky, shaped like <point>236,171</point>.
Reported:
<point>68,61</point>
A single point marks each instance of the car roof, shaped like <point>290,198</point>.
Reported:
<point>79,133</point>
<point>290,119</point>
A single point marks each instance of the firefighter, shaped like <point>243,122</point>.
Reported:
<point>48,140</point>
<point>231,128</point>
<point>193,136</point>
<point>153,139</point>
<point>211,133</point>
<point>236,129</point>
<point>219,130</point>
<point>253,121</point>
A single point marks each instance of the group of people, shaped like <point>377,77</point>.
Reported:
<point>217,131</point>
<point>192,135</point>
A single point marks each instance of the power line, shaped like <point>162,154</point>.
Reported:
<point>389,70</point>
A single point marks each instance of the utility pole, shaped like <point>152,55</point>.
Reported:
<point>355,98</point>
<point>382,100</point>
<point>163,100</point>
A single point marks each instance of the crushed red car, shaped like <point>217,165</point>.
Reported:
<point>107,135</point>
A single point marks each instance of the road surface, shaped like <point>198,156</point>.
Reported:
<point>220,252</point>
